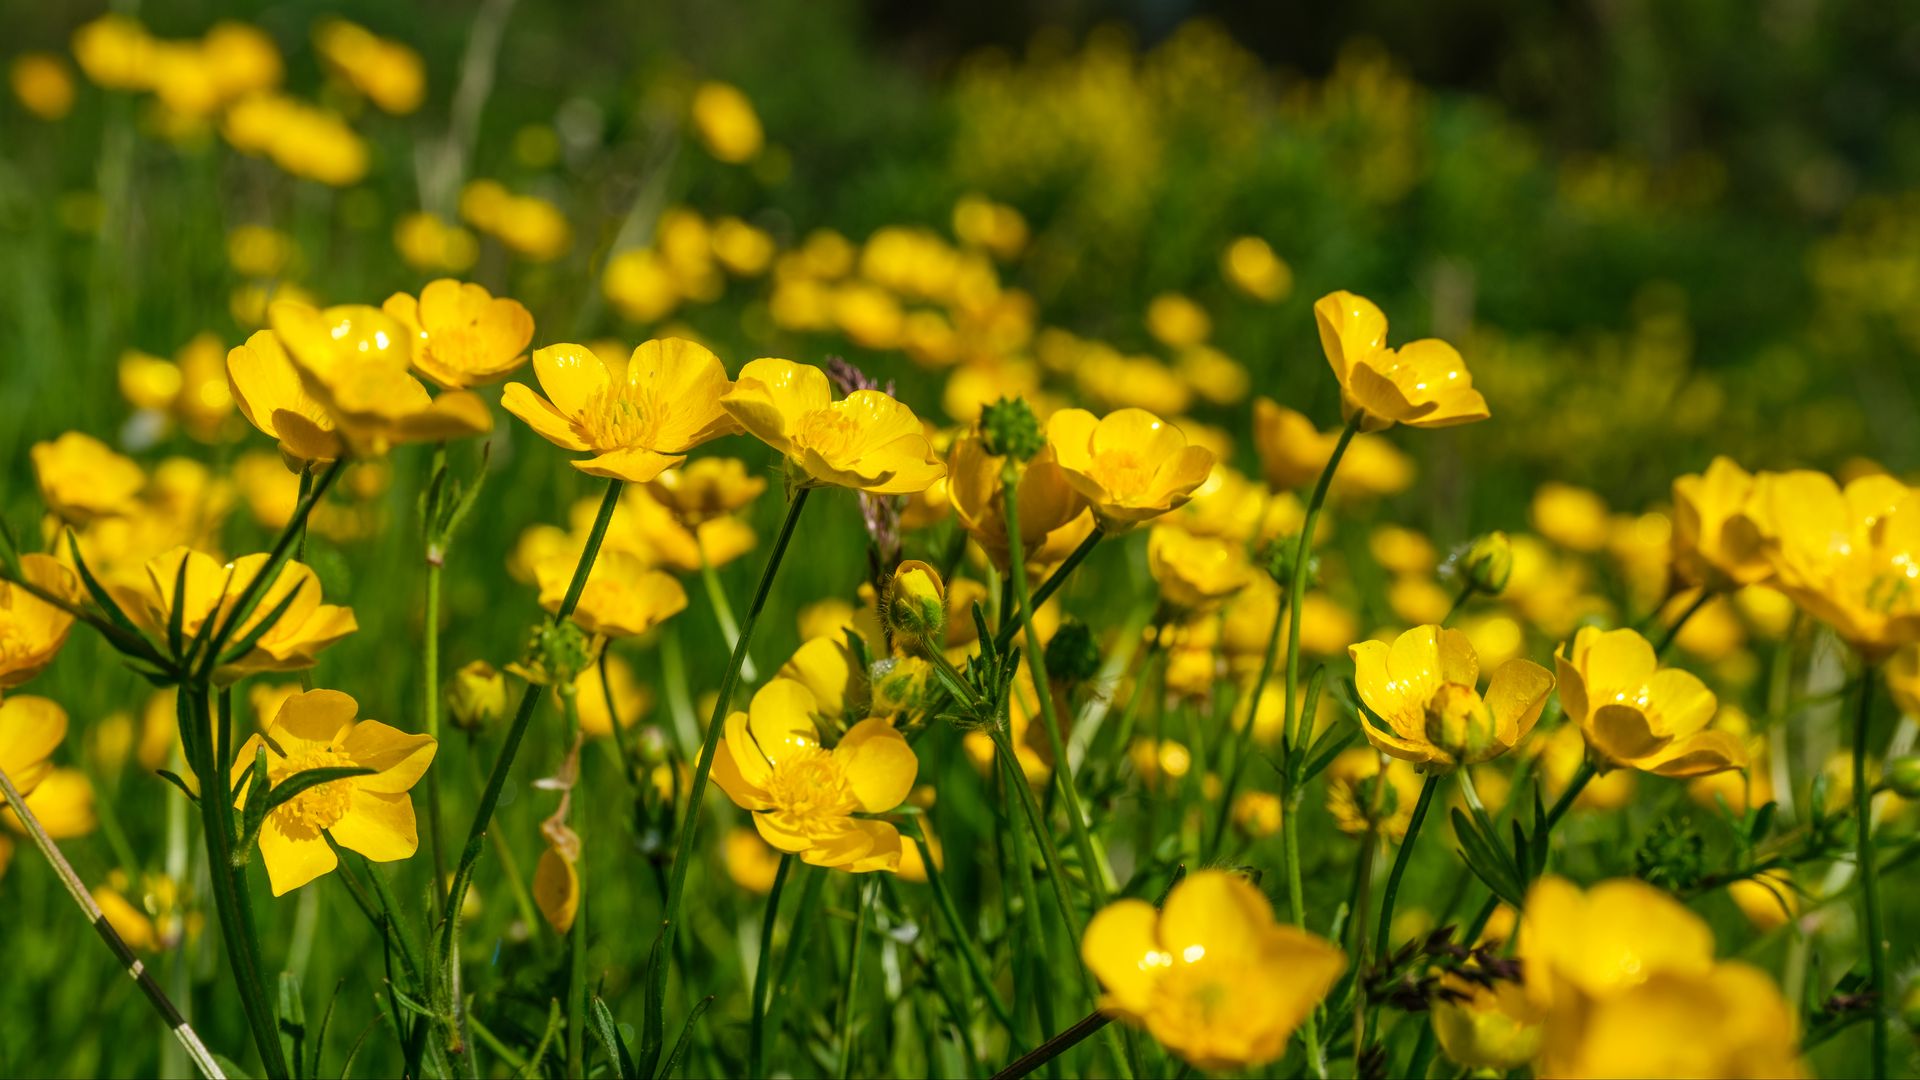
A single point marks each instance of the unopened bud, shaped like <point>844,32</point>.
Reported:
<point>1487,563</point>
<point>916,605</point>
<point>1903,776</point>
<point>1282,559</point>
<point>476,696</point>
<point>1008,428</point>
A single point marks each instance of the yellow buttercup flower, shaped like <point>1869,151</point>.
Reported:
<point>707,488</point>
<point>1357,802</point>
<point>354,360</point>
<point>1251,266</point>
<point>825,664</point>
<point>371,814</point>
<point>866,440</point>
<point>1627,977</point>
<point>1054,518</point>
<point>43,84</point>
<point>1487,1026</point>
<point>1177,322</point>
<point>1850,558</point>
<point>81,478</point>
<point>1716,541</point>
<point>751,863</point>
<point>390,74</point>
<point>32,631</point>
<point>632,699</point>
<point>463,335</point>
<point>1130,465</point>
<point>623,597</point>
<point>266,386</point>
<point>296,638</point>
<point>30,730</point>
<point>63,803</point>
<point>1572,517</point>
<point>1196,573</point>
<point>1423,688</point>
<point>807,799</point>
<point>636,427</point>
<point>1212,976</point>
<point>1422,384</point>
<point>1292,450</point>
<point>1637,714</point>
<point>726,123</point>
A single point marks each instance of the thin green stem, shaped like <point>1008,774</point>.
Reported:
<point>1868,859</point>
<point>77,889</point>
<point>1098,874</point>
<point>762,968</point>
<point>430,680</point>
<point>848,1004</point>
<point>1466,593</point>
<point>1297,591</point>
<point>232,903</point>
<point>690,826</point>
<point>1381,939</point>
<point>243,605</point>
<point>1240,742</point>
<point>1297,909</point>
<point>722,610</point>
<point>577,932</point>
<point>1047,588</point>
<point>962,939</point>
<point>1673,632</point>
<point>1054,1047</point>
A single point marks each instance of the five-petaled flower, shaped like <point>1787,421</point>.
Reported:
<point>1424,688</point>
<point>866,440</point>
<point>1421,384</point>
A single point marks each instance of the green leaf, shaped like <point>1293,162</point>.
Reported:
<point>293,1021</point>
<point>686,1037</point>
<point>173,778</point>
<point>653,1020</point>
<point>255,813</point>
<point>301,781</point>
<point>101,598</point>
<point>260,629</point>
<point>617,1053</point>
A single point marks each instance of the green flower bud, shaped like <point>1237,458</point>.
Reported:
<point>1903,776</point>
<point>1281,556</point>
<point>1487,563</point>
<point>916,606</point>
<point>476,696</point>
<point>1009,429</point>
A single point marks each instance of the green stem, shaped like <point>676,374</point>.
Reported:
<point>1240,742</point>
<point>430,678</point>
<point>1297,591</point>
<point>962,939</point>
<point>77,889</point>
<point>1673,632</point>
<point>1098,874</point>
<point>1460,601</point>
<point>1048,587</point>
<point>577,932</point>
<point>1297,909</point>
<point>722,610</point>
<point>627,767</point>
<point>231,901</point>
<point>243,605</point>
<point>1054,1047</point>
<point>497,778</point>
<point>690,827</point>
<point>848,1004</point>
<point>756,1037</point>
<point>1868,858</point>
<point>1400,861</point>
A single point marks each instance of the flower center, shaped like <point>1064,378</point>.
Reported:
<point>1203,1005</point>
<point>829,432</point>
<point>320,806</point>
<point>621,415</point>
<point>1121,472</point>
<point>809,788</point>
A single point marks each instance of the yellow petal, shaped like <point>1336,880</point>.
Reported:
<point>1351,329</point>
<point>571,375</point>
<point>1684,703</point>
<point>315,720</point>
<point>1213,912</point>
<point>1698,755</point>
<point>541,416</point>
<point>1515,696</point>
<point>401,758</point>
<point>1122,949</point>
<point>781,719</point>
<point>381,827</point>
<point>1622,733</point>
<point>878,763</point>
<point>556,889</point>
<point>292,861</point>
<point>30,729</point>
<point>727,770</point>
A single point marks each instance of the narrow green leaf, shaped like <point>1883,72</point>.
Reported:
<point>252,637</point>
<point>173,778</point>
<point>609,1032</point>
<point>255,813</point>
<point>301,781</point>
<point>686,1037</point>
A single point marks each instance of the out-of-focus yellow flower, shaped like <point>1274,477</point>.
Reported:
<point>1292,451</point>
<point>1572,517</point>
<point>63,804</point>
<point>645,528</point>
<point>1054,519</point>
<point>1423,687</point>
<point>750,862</point>
<point>1216,377</point>
<point>1196,573</point>
<point>866,440</point>
<point>744,250</point>
<point>912,867</point>
<point>132,924</point>
<point>1213,976</point>
<point>1637,714</point>
<point>1418,600</point>
<point>1402,550</point>
<point>670,402</point>
<point>1561,752</point>
<point>354,361</point>
<point>1768,612</point>
<point>632,699</point>
<point>301,139</point>
<point>1373,468</point>
<point>295,639</point>
<point>115,51</point>
<point>641,285</point>
<point>1356,800</point>
<point>726,123</point>
<point>390,74</point>
<point>462,334</point>
<point>32,631</point>
<point>1716,542</point>
<point>427,242</point>
<point>43,84</point>
<point>1177,322</point>
<point>707,488</point>
<point>1628,980</point>
<point>806,799</point>
<point>1257,813</point>
<point>30,730</point>
<point>1902,674</point>
<point>1768,900</point>
<point>81,478</point>
<point>240,59</point>
<point>476,696</point>
<point>533,228</point>
<point>259,250</point>
<point>1251,266</point>
<point>1849,558</point>
<point>623,597</point>
<point>266,386</point>
<point>1487,1026</point>
<point>981,222</point>
<point>371,814</point>
<point>1422,384</point>
<point>1130,465</point>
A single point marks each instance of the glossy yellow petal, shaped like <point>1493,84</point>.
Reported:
<point>293,858</point>
<point>379,826</point>
<point>1213,912</point>
<point>1684,702</point>
<point>30,729</point>
<point>729,766</point>
<point>1351,327</point>
<point>312,721</point>
<point>401,758</point>
<point>1622,733</point>
<point>541,415</point>
<point>780,719</point>
<point>1515,696</point>
<point>878,763</point>
<point>1121,947</point>
<point>570,375</point>
<point>1698,755</point>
